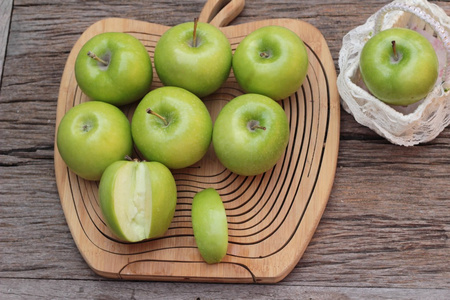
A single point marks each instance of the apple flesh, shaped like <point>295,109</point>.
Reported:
<point>209,223</point>
<point>271,61</point>
<point>114,67</point>
<point>199,63</point>
<point>91,136</point>
<point>399,66</point>
<point>250,134</point>
<point>172,126</point>
<point>137,199</point>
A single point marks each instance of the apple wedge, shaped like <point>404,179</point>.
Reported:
<point>209,222</point>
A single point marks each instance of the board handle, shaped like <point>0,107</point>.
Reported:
<point>221,12</point>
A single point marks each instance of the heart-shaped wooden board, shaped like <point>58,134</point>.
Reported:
<point>271,217</point>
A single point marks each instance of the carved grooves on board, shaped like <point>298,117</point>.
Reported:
<point>261,210</point>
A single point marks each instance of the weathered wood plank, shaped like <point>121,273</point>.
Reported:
<point>384,234</point>
<point>82,289</point>
<point>5,18</point>
<point>369,229</point>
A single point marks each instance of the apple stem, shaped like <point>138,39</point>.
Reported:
<point>253,124</point>
<point>264,54</point>
<point>128,158</point>
<point>92,55</point>
<point>194,35</point>
<point>395,51</point>
<point>151,112</point>
<point>256,126</point>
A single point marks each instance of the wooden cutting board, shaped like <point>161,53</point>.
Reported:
<point>272,217</point>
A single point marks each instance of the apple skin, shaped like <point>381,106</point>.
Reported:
<point>186,138</point>
<point>245,151</point>
<point>127,77</point>
<point>271,61</point>
<point>401,82</point>
<point>209,223</point>
<point>202,69</point>
<point>91,136</point>
<point>137,199</point>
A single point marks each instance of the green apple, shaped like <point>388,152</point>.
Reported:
<point>114,67</point>
<point>209,223</point>
<point>271,61</point>
<point>137,199</point>
<point>399,66</point>
<point>199,62</point>
<point>173,126</point>
<point>250,134</point>
<point>91,136</point>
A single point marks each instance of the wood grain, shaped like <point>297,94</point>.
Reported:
<point>384,233</point>
<point>11,289</point>
<point>5,18</point>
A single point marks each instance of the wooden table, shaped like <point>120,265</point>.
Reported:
<point>385,230</point>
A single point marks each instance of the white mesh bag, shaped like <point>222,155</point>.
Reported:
<point>402,125</point>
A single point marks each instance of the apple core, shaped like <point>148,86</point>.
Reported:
<point>132,196</point>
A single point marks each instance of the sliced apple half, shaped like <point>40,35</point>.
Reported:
<point>137,199</point>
